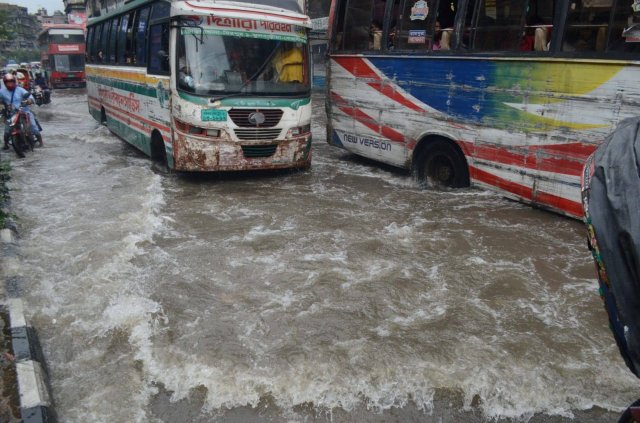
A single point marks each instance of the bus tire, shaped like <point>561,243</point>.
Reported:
<point>159,153</point>
<point>103,116</point>
<point>442,163</point>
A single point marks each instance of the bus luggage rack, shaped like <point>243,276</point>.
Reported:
<point>257,134</point>
<point>255,151</point>
<point>241,117</point>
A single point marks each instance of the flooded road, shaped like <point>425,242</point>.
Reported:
<point>344,293</point>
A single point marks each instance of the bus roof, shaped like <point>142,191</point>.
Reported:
<point>73,28</point>
<point>244,9</point>
<point>281,7</point>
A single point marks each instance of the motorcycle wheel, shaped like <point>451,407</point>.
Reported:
<point>16,143</point>
<point>26,135</point>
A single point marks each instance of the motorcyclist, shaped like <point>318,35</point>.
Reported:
<point>13,95</point>
<point>41,81</point>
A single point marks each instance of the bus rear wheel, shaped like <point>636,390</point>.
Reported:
<point>441,163</point>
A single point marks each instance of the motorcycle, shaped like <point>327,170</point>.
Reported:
<point>19,121</point>
<point>38,95</point>
<point>42,96</point>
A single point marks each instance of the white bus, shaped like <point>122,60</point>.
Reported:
<point>204,85</point>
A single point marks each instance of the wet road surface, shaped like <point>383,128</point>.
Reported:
<point>343,293</point>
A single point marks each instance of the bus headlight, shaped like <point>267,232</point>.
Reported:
<point>196,130</point>
<point>300,130</point>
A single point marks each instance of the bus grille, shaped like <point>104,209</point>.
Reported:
<point>254,151</point>
<point>241,117</point>
<point>257,134</point>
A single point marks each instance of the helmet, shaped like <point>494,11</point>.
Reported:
<point>8,77</point>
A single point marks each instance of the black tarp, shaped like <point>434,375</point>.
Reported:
<point>611,197</point>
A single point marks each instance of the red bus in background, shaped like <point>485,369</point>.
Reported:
<point>62,55</point>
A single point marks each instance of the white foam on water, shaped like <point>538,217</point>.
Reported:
<point>336,256</point>
<point>262,231</point>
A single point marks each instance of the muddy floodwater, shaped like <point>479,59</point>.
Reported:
<point>344,293</point>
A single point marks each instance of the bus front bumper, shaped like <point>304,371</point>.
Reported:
<point>196,155</point>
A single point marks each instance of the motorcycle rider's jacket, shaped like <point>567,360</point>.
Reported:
<point>14,97</point>
<point>41,82</point>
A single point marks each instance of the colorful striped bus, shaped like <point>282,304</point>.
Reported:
<point>204,85</point>
<point>511,95</point>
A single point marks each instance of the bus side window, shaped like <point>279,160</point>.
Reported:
<point>338,38</point>
<point>538,27</point>
<point>123,53</point>
<point>130,55</point>
<point>357,24</point>
<point>141,36</point>
<point>412,25</point>
<point>587,25</point>
<point>159,48</point>
<point>104,42</point>
<point>623,18</point>
<point>113,38</point>
<point>496,25</point>
<point>161,10</point>
<point>89,45</point>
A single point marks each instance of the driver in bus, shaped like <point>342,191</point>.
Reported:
<point>11,94</point>
<point>289,65</point>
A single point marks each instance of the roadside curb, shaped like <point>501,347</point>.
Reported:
<point>31,374</point>
<point>35,401</point>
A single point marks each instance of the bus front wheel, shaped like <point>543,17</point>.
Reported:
<point>442,164</point>
<point>159,154</point>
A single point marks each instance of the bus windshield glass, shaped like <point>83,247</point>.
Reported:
<point>62,36</point>
<point>68,63</point>
<point>224,64</point>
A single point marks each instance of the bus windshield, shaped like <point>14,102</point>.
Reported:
<point>68,63</point>
<point>225,65</point>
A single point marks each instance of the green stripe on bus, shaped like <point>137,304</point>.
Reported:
<point>294,103</point>
<point>126,86</point>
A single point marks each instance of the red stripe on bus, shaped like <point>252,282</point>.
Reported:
<point>127,119</point>
<point>360,69</point>
<point>579,150</point>
<point>532,157</point>
<point>570,207</point>
<point>367,120</point>
<point>126,112</point>
<point>224,9</point>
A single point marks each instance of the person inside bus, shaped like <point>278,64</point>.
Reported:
<point>442,38</point>
<point>535,35</point>
<point>41,81</point>
<point>375,36</point>
<point>185,78</point>
<point>12,95</point>
<point>289,64</point>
